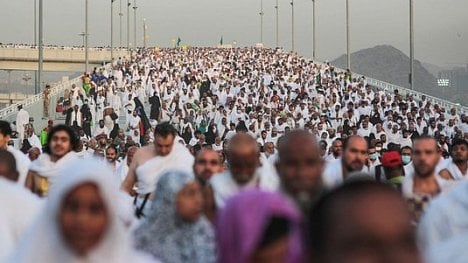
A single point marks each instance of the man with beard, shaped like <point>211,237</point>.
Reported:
<point>58,154</point>
<point>336,150</point>
<point>243,157</point>
<point>207,163</point>
<point>101,129</point>
<point>353,160</point>
<point>300,167</point>
<point>457,169</point>
<point>151,161</point>
<point>423,184</point>
<point>111,157</point>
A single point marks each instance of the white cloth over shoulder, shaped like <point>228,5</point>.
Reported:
<point>44,167</point>
<point>22,164</point>
<point>450,251</point>
<point>455,171</point>
<point>149,173</point>
<point>224,186</point>
<point>43,241</point>
<point>121,172</point>
<point>446,217</point>
<point>407,188</point>
<point>333,174</point>
<point>19,207</point>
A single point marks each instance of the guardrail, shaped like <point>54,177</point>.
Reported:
<point>55,88</point>
<point>416,95</point>
<point>385,86</point>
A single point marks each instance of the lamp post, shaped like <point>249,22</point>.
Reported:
<point>261,21</point>
<point>35,41</point>
<point>35,20</point>
<point>313,30</point>
<point>41,48</point>
<point>144,32</point>
<point>277,23</point>
<point>134,24</point>
<point>411,78</point>
<point>292,25</point>
<point>112,29</point>
<point>348,54</point>
<point>86,36</point>
<point>120,22</point>
<point>128,24</point>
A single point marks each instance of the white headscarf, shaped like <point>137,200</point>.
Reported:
<point>44,243</point>
<point>19,207</point>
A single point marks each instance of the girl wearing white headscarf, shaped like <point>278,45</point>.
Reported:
<point>175,231</point>
<point>80,221</point>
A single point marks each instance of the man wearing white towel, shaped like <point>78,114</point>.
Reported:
<point>151,161</point>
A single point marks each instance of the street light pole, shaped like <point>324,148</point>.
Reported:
<point>128,24</point>
<point>313,29</point>
<point>411,45</point>
<point>348,54</point>
<point>120,22</point>
<point>112,30</point>
<point>292,25</point>
<point>134,24</point>
<point>86,36</point>
<point>261,21</point>
<point>277,24</point>
<point>41,48</point>
<point>35,25</point>
<point>35,39</point>
<point>144,32</point>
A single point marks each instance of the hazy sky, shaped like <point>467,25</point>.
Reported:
<point>441,31</point>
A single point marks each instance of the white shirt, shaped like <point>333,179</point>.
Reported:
<point>19,209</point>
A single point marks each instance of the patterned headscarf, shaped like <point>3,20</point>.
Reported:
<point>165,235</point>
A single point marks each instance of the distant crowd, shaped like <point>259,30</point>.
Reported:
<point>234,155</point>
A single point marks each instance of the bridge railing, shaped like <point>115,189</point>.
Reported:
<point>385,86</point>
<point>56,88</point>
<point>34,105</point>
<point>417,95</point>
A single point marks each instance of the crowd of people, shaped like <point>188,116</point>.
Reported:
<point>234,155</point>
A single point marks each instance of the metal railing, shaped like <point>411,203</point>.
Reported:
<point>390,88</point>
<point>416,95</point>
<point>56,87</point>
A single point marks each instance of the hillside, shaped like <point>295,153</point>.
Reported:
<point>389,64</point>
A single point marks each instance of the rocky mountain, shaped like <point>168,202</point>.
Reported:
<point>389,64</point>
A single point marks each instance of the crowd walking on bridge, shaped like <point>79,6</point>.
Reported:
<point>234,155</point>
